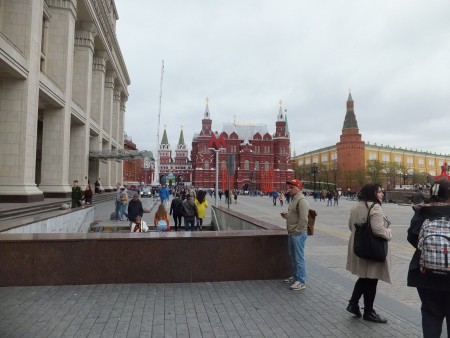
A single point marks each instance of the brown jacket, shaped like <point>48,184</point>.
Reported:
<point>297,216</point>
<point>364,268</point>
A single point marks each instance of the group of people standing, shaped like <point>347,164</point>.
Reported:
<point>192,211</point>
<point>433,289</point>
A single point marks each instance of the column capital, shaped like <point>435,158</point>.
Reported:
<point>84,34</point>
<point>109,79</point>
<point>70,5</point>
<point>99,62</point>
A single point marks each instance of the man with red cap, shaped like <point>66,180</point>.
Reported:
<point>297,223</point>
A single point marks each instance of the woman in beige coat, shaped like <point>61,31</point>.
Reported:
<point>369,272</point>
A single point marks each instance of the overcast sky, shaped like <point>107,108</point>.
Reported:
<point>246,55</point>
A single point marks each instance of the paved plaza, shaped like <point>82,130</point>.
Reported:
<point>228,309</point>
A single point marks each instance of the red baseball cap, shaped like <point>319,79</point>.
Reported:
<point>297,183</point>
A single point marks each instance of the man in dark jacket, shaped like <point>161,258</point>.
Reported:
<point>190,213</point>
<point>176,209</point>
<point>135,208</point>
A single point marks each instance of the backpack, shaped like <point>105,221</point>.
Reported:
<point>312,214</point>
<point>434,242</point>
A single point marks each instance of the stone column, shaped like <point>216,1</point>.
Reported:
<point>56,121</point>
<point>81,94</point>
<point>121,132</point>
<point>108,169</point>
<point>19,98</point>
<point>96,167</point>
<point>116,165</point>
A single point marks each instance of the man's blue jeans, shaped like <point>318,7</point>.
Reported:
<point>189,224</point>
<point>296,247</point>
<point>119,210</point>
<point>124,209</point>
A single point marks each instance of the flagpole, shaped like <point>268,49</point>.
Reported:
<point>159,125</point>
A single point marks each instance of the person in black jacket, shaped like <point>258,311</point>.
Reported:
<point>135,208</point>
<point>190,213</point>
<point>434,290</point>
<point>176,210</point>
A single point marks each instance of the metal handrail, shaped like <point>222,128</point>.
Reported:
<point>215,217</point>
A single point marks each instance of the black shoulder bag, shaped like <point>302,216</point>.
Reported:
<point>368,246</point>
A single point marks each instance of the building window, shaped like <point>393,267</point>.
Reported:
<point>421,161</point>
<point>282,166</point>
<point>372,156</point>
<point>300,162</point>
<point>324,158</point>
<point>246,165</point>
<point>256,165</point>
<point>266,166</point>
<point>334,156</point>
<point>409,160</point>
<point>316,159</point>
<point>206,165</point>
<point>385,157</point>
<point>430,161</point>
<point>308,161</point>
<point>397,158</point>
<point>223,165</point>
<point>441,163</point>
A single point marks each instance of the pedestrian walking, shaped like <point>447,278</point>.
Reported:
<point>201,203</point>
<point>369,272</point>
<point>176,210</point>
<point>190,213</point>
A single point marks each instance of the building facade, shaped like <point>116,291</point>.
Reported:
<point>178,170</point>
<point>351,161</point>
<point>63,90</point>
<point>262,161</point>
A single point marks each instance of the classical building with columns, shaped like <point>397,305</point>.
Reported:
<point>63,88</point>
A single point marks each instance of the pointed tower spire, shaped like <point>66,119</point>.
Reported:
<point>350,118</point>
<point>181,140</point>
<point>165,140</point>
<point>280,112</point>
<point>206,116</point>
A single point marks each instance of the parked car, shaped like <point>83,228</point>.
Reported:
<point>146,192</point>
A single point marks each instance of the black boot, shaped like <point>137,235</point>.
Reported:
<point>353,308</point>
<point>372,316</point>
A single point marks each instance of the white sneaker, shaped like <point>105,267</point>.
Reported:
<point>290,280</point>
<point>298,286</point>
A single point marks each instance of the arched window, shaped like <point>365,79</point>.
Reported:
<point>246,165</point>
<point>266,166</point>
<point>256,165</point>
<point>223,164</point>
<point>206,165</point>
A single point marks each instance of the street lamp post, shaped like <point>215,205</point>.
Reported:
<point>314,171</point>
<point>405,177</point>
<point>216,189</point>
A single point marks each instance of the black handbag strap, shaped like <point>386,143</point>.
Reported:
<point>368,214</point>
